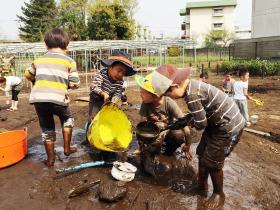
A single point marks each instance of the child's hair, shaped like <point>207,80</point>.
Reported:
<point>57,38</point>
<point>2,79</point>
<point>228,73</point>
<point>242,71</point>
<point>203,74</point>
<point>115,63</point>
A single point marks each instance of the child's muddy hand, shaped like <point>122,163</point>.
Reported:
<point>188,155</point>
<point>105,97</point>
<point>186,150</point>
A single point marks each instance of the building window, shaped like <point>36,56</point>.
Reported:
<point>218,11</point>
<point>217,26</point>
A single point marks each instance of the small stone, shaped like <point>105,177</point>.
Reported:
<point>112,191</point>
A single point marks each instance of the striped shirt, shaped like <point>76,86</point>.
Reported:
<point>54,73</point>
<point>102,83</point>
<point>212,107</point>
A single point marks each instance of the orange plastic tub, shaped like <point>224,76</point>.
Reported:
<point>13,147</point>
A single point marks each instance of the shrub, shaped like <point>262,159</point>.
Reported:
<point>256,67</point>
<point>173,51</point>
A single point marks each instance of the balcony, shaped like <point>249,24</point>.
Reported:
<point>217,26</point>
<point>185,26</point>
<point>218,12</point>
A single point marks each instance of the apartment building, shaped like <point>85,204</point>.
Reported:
<point>203,16</point>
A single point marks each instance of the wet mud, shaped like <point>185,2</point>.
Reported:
<point>251,172</point>
<point>246,185</point>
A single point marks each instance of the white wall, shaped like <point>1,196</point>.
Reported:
<point>266,17</point>
<point>201,21</point>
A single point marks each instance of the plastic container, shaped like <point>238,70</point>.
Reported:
<point>110,129</point>
<point>13,147</point>
<point>254,119</point>
<point>123,171</point>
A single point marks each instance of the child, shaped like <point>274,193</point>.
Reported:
<point>227,85</point>
<point>162,111</point>
<point>107,85</point>
<point>15,84</point>
<point>213,111</point>
<point>240,89</point>
<point>203,77</point>
<point>52,75</point>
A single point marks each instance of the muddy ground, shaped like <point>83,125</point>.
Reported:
<point>252,172</point>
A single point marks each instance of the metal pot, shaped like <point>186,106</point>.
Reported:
<point>147,132</point>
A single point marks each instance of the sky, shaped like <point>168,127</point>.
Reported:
<point>161,17</point>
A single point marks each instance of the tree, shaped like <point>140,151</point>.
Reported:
<point>131,6</point>
<point>72,18</point>
<point>109,22</point>
<point>218,38</point>
<point>38,17</point>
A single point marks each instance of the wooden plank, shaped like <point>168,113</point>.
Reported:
<point>257,132</point>
<point>84,99</point>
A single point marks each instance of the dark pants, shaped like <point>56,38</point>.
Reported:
<point>15,91</point>
<point>94,107</point>
<point>15,95</point>
<point>168,145</point>
<point>46,112</point>
<point>173,140</point>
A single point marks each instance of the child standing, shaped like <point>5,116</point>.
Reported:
<point>12,83</point>
<point>53,74</point>
<point>203,77</point>
<point>107,85</point>
<point>240,89</point>
<point>227,84</point>
<point>213,111</point>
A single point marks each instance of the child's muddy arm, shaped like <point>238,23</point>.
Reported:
<point>96,84</point>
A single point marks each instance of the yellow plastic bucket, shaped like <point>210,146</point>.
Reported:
<point>110,129</point>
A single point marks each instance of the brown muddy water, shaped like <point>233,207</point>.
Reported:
<point>245,184</point>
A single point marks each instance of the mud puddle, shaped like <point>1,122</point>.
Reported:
<point>246,185</point>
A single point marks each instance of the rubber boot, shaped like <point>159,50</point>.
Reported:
<point>12,105</point>
<point>67,136</point>
<point>49,147</point>
<point>15,105</point>
<point>218,197</point>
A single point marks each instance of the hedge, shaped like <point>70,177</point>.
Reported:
<point>256,67</point>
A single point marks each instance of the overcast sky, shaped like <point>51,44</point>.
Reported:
<point>160,16</point>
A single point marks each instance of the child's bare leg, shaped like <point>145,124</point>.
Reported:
<point>218,197</point>
<point>202,182</point>
<point>49,147</point>
<point>67,136</point>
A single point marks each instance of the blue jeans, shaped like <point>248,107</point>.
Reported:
<point>243,107</point>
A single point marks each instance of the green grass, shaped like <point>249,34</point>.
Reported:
<point>177,61</point>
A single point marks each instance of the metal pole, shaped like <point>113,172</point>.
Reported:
<point>160,56</point>
<point>183,55</point>
<point>195,55</point>
<point>86,67</point>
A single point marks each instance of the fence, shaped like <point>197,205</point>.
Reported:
<point>260,48</point>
